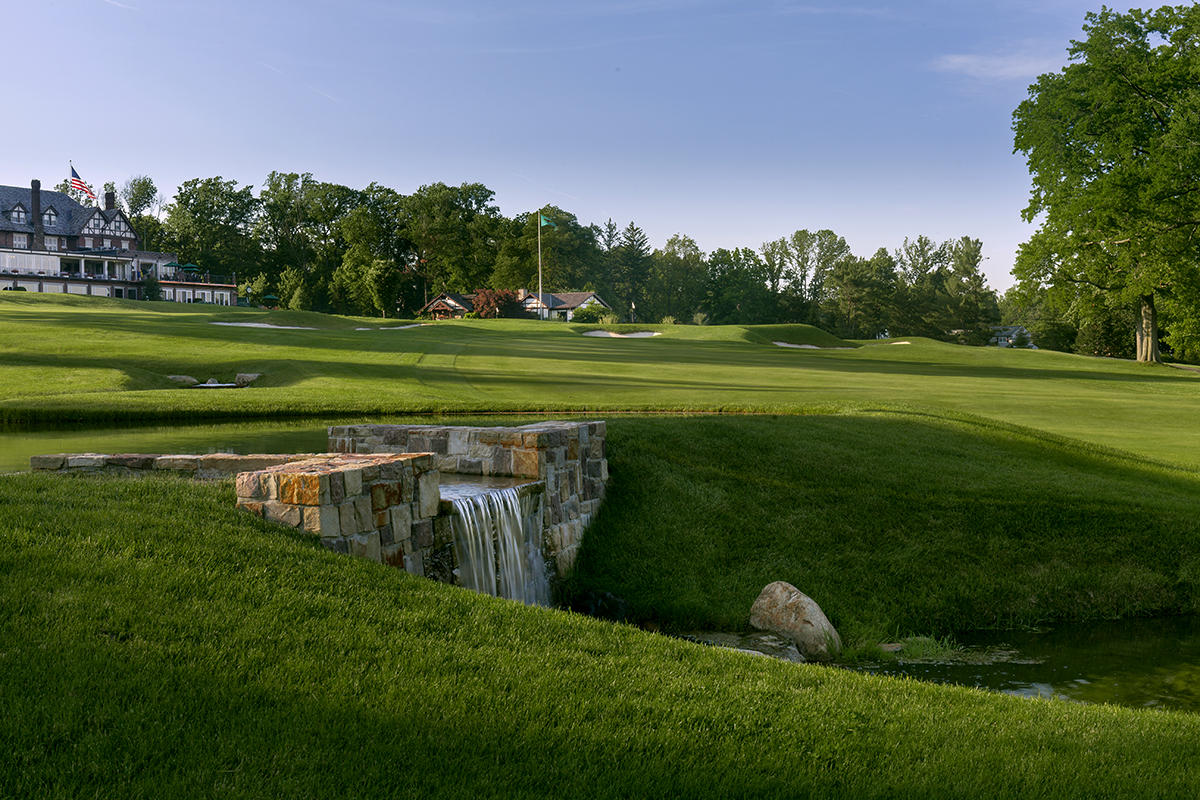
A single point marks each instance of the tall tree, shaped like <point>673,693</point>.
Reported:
<point>210,223</point>
<point>456,233</point>
<point>676,284</point>
<point>1113,147</point>
<point>140,195</point>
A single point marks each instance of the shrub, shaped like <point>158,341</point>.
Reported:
<point>668,320</point>
<point>700,318</point>
<point>610,319</point>
<point>492,303</point>
<point>588,314</point>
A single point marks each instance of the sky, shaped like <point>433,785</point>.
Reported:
<point>732,122</point>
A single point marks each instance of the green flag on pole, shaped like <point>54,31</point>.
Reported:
<point>545,221</point>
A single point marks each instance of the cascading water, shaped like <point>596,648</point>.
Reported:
<point>497,536</point>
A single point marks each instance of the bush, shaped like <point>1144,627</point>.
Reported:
<point>700,318</point>
<point>668,320</point>
<point>610,319</point>
<point>588,314</point>
<point>492,303</point>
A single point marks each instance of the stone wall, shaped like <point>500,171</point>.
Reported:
<point>381,507</point>
<point>207,467</point>
<point>569,457</point>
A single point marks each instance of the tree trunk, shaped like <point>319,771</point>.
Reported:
<point>1147,330</point>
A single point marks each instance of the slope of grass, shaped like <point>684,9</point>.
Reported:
<point>157,643</point>
<point>84,359</point>
<point>896,524</point>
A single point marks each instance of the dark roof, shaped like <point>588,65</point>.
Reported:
<point>566,300</point>
<point>464,301</point>
<point>71,215</point>
<point>70,219</point>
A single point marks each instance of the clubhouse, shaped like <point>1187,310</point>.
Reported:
<point>50,243</point>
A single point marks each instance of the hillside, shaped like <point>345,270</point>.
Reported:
<point>156,642</point>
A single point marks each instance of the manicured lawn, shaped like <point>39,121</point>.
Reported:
<point>87,359</point>
<point>895,523</point>
<point>157,643</point>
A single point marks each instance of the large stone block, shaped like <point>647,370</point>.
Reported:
<point>177,463</point>
<point>249,485</point>
<point>366,545</point>
<point>352,478</point>
<point>133,461</point>
<point>285,513</point>
<point>303,489</point>
<point>363,515</point>
<point>48,462</point>
<point>525,463</point>
<point>401,519</point>
<point>428,494</point>
<point>325,521</point>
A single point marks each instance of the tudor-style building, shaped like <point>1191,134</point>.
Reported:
<point>50,243</point>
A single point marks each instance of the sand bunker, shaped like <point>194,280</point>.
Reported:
<point>808,346</point>
<point>396,327</point>
<point>634,335</point>
<point>899,342</point>
<point>264,325</point>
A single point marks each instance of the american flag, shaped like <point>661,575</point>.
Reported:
<point>78,184</point>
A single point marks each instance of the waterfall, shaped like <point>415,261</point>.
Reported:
<point>498,540</point>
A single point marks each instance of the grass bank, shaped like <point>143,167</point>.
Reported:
<point>896,523</point>
<point>156,642</point>
<point>85,359</point>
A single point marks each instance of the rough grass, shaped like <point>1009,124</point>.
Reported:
<point>897,524</point>
<point>157,643</point>
<point>85,359</point>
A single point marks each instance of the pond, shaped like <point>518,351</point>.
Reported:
<point>1143,663</point>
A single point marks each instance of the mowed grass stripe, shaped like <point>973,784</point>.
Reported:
<point>53,370</point>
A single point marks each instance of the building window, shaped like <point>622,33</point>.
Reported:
<point>18,215</point>
<point>49,217</point>
<point>87,242</point>
<point>51,242</point>
<point>107,243</point>
<point>20,240</point>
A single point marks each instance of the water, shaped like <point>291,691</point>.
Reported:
<point>497,538</point>
<point>1143,663</point>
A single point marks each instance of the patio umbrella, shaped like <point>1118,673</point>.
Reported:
<point>190,268</point>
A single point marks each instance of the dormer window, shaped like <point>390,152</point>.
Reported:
<point>17,215</point>
<point>49,217</point>
<point>95,224</point>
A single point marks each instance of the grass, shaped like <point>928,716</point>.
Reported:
<point>157,643</point>
<point>86,359</point>
<point>897,524</point>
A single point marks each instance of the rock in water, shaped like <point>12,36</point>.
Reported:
<point>785,610</point>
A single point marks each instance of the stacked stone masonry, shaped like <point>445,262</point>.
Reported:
<point>380,507</point>
<point>569,457</point>
<point>206,467</point>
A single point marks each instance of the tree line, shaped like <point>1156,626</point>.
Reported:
<point>305,244</point>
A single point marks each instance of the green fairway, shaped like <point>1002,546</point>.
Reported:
<point>158,643</point>
<point>88,359</point>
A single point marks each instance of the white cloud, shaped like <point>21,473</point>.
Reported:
<point>121,5</point>
<point>999,66</point>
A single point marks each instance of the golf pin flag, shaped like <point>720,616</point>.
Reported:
<point>545,221</point>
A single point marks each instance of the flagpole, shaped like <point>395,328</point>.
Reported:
<point>541,297</point>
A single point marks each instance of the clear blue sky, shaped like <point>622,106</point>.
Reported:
<point>732,122</point>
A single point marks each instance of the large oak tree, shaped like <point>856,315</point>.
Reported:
<point>1113,147</point>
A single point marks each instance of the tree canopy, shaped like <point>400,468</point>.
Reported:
<point>1113,147</point>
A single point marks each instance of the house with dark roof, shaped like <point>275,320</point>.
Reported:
<point>449,305</point>
<point>561,305</point>
<point>51,243</point>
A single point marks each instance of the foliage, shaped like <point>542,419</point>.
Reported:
<point>78,196</point>
<point>590,314</point>
<point>140,196</point>
<point>1112,147</point>
<point>699,318</point>
<point>493,303</point>
<point>151,288</point>
<point>609,318</point>
<point>210,223</point>
<point>668,320</point>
